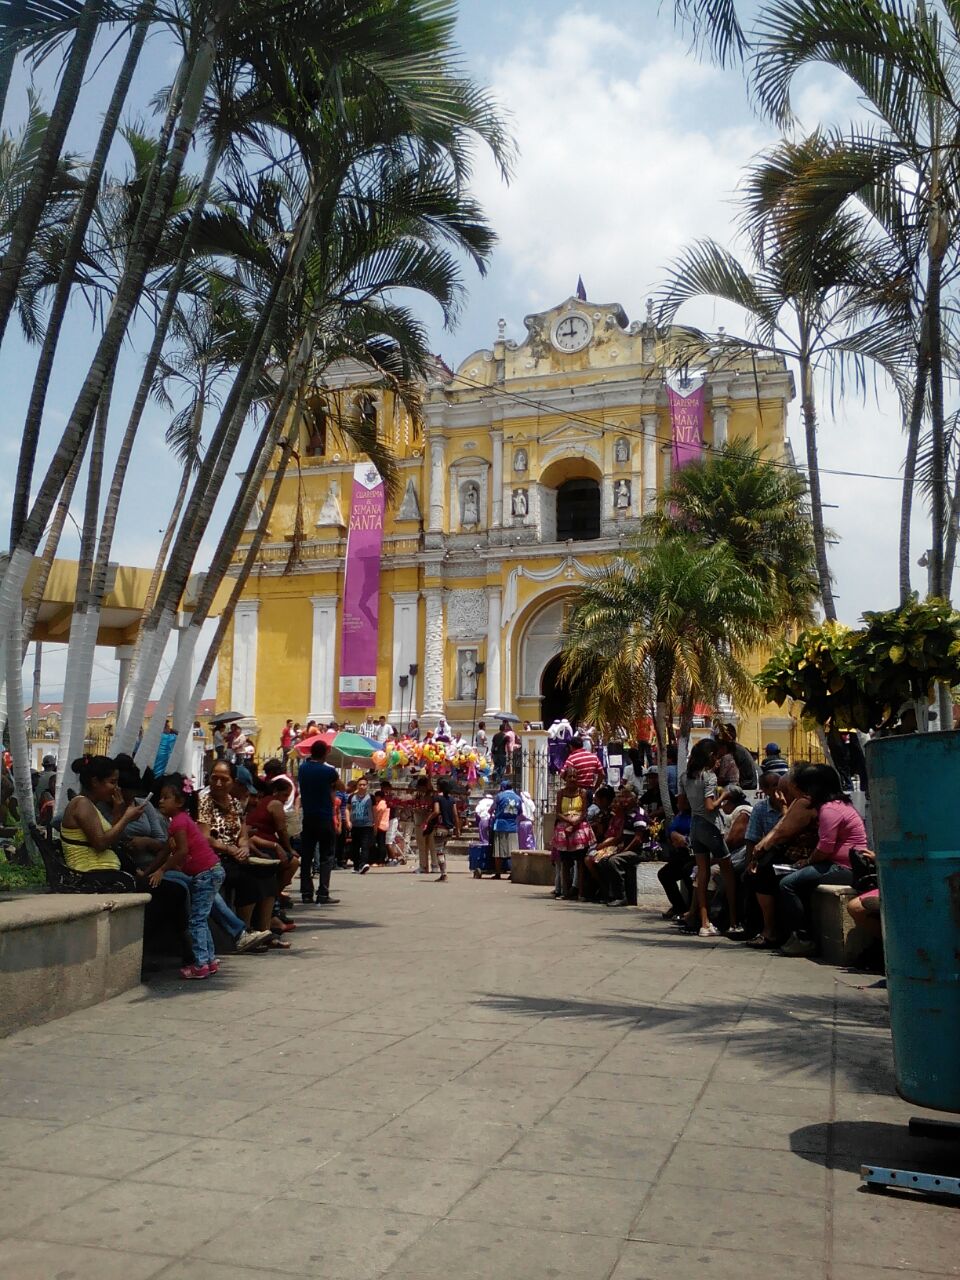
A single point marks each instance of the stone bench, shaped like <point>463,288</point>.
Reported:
<point>60,952</point>
<point>532,866</point>
<point>840,939</point>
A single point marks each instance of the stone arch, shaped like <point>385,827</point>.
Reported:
<point>536,635</point>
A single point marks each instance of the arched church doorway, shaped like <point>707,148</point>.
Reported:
<point>554,693</point>
<point>578,509</point>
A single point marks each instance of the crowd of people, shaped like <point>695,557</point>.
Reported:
<point>741,853</point>
<point>733,864</point>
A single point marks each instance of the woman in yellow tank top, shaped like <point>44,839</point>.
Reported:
<point>85,834</point>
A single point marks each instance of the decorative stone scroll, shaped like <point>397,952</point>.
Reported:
<point>466,614</point>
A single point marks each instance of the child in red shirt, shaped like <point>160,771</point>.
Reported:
<point>190,852</point>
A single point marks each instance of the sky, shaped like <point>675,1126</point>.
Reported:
<point>629,147</point>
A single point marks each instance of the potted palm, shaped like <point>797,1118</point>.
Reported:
<point>873,679</point>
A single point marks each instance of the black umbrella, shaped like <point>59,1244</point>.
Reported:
<point>225,717</point>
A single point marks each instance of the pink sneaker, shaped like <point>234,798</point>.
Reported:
<point>195,971</point>
<point>213,966</point>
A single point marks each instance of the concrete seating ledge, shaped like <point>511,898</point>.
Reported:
<point>532,866</point>
<point>840,939</point>
<point>61,952</point>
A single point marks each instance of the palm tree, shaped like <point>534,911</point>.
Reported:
<point>903,59</point>
<point>810,308</point>
<point>380,154</point>
<point>44,173</point>
<point>667,626</point>
<point>757,508</point>
<point>69,263</point>
<point>389,234</point>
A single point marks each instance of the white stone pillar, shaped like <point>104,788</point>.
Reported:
<point>436,485</point>
<point>323,658</point>
<point>496,480</point>
<point>244,675</point>
<point>404,653</point>
<point>493,687</point>
<point>433,653</point>
<point>124,655</point>
<point>721,416</point>
<point>650,447</point>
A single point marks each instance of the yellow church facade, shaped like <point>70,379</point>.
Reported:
<point>534,462</point>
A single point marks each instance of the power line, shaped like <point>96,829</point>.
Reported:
<point>665,441</point>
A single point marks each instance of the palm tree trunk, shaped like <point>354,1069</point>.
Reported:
<point>7,60</point>
<point>938,478</point>
<point>809,410</point>
<point>68,269</point>
<point>173,520</point>
<point>208,482</point>
<point>182,749</point>
<point>108,350</point>
<point>229,540</point>
<point>35,197</point>
<point>17,725</point>
<point>660,728</point>
<point>54,534</point>
<point>950,549</point>
<point>84,624</point>
<point>914,425</point>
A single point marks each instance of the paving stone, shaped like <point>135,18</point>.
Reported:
<point>400,1183</point>
<point>713,1217</point>
<point>38,1260</point>
<point>553,1202</point>
<point>645,1108</point>
<point>695,1164</point>
<point>92,1148</point>
<point>137,1217</point>
<point>27,1194</point>
<point>332,1241</point>
<point>661,1262</point>
<point>481,1251</point>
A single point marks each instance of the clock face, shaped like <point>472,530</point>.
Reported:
<point>572,332</point>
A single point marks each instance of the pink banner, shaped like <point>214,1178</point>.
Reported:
<point>361,590</point>
<point>686,413</point>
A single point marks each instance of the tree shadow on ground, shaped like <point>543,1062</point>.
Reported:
<point>785,1040</point>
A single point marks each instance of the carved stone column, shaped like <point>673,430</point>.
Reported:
<point>650,448</point>
<point>493,677</point>
<point>405,610</point>
<point>323,657</point>
<point>436,485</point>
<point>244,674</point>
<point>433,654</point>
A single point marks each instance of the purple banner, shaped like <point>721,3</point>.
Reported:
<point>686,413</point>
<point>361,590</point>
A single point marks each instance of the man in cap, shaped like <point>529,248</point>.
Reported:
<point>773,761</point>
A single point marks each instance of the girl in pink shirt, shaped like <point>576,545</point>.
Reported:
<point>190,853</point>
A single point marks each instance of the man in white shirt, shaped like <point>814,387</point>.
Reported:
<point>382,731</point>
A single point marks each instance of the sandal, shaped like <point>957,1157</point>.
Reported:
<point>278,944</point>
<point>760,943</point>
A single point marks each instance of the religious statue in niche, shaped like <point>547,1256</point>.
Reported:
<point>520,460</point>
<point>521,504</point>
<point>621,450</point>
<point>470,505</point>
<point>466,674</point>
<point>621,495</point>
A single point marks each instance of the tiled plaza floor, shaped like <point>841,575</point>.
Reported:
<point>468,1082</point>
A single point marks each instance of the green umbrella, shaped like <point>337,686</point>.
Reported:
<point>354,746</point>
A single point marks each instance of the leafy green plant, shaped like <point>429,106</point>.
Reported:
<point>849,679</point>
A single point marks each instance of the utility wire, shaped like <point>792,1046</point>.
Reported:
<point>664,441</point>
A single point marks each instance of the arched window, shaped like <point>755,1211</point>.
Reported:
<point>578,510</point>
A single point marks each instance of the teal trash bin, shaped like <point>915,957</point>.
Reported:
<point>915,812</point>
